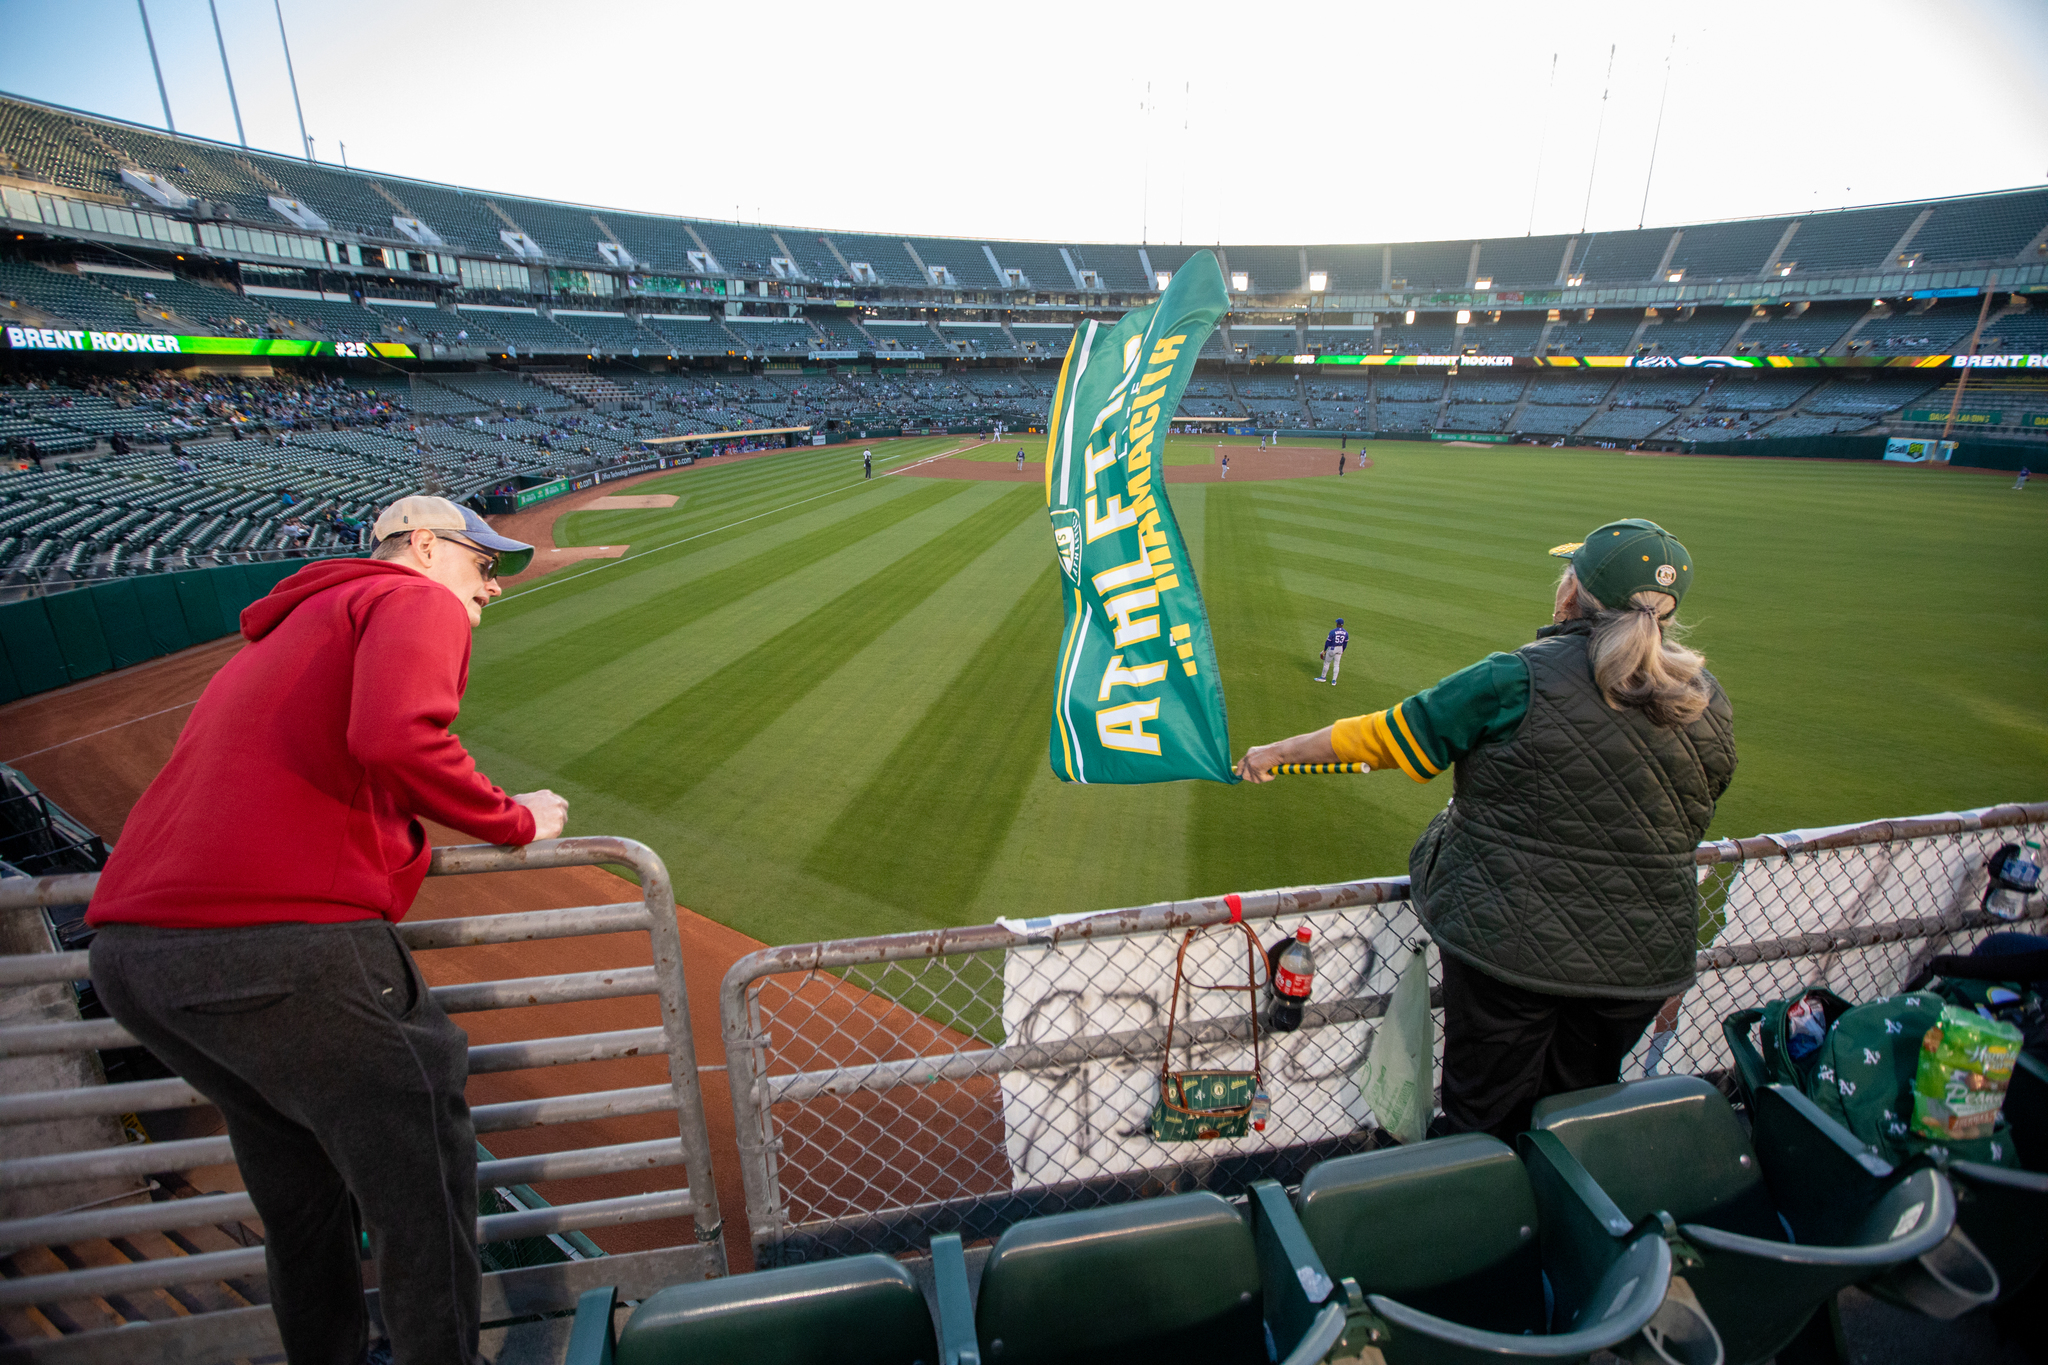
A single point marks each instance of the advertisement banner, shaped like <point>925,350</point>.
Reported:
<point>540,492</point>
<point>1914,450</point>
<point>1965,417</point>
<point>1488,438</point>
<point>165,343</point>
<point>1137,694</point>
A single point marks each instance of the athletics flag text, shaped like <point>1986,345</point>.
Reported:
<point>1138,697</point>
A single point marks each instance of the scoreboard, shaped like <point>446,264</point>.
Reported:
<point>165,343</point>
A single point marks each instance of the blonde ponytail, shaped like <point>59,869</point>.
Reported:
<point>1638,661</point>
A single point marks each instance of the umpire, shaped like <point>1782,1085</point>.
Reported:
<point>1559,882</point>
<point>246,928</point>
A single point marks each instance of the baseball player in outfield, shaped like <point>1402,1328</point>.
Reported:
<point>1333,652</point>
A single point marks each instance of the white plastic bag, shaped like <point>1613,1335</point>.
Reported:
<point>1399,1082</point>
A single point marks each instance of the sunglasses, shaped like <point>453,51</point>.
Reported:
<point>488,565</point>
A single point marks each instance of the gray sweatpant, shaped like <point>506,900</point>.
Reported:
<point>342,1085</point>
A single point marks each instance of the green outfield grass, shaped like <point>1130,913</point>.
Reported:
<point>825,700</point>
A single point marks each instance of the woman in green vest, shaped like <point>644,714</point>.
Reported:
<point>1559,882</point>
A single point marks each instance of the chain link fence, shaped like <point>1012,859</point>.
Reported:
<point>961,1080</point>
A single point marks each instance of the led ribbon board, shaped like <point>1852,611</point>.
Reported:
<point>166,343</point>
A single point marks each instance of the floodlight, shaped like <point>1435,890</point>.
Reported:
<point>1674,277</point>
<point>1410,319</point>
<point>1485,283</point>
<point>1574,281</point>
<point>1240,281</point>
<point>1787,267</point>
<point>1164,277</point>
<point>1464,316</point>
<point>1318,281</point>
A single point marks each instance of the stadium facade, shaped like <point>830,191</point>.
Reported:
<point>404,312</point>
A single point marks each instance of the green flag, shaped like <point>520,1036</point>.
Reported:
<point>1138,697</point>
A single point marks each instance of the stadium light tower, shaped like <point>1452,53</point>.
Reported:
<point>233,103</point>
<point>297,108</point>
<point>157,66</point>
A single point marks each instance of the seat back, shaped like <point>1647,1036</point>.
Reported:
<point>1447,1226</point>
<point>1670,1143</point>
<point>1167,1279</point>
<point>864,1310</point>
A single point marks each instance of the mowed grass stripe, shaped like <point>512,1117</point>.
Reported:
<point>657,760</point>
<point>612,635</point>
<point>924,830</point>
<point>742,504</point>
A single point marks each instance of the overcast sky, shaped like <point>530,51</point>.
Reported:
<point>1359,122</point>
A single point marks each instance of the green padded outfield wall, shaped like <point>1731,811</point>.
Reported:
<point>49,642</point>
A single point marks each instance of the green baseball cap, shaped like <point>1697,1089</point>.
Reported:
<point>1624,558</point>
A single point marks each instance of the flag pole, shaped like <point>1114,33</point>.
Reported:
<point>1299,769</point>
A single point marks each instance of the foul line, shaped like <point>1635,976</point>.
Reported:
<point>942,455</point>
<point>108,730</point>
<point>555,579</point>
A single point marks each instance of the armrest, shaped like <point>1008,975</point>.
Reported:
<point>1749,1063</point>
<point>590,1340</point>
<point>958,1344</point>
<point>1820,1175</point>
<point>1580,1231</point>
<point>1291,1274</point>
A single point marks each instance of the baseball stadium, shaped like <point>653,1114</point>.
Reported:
<point>863,1007</point>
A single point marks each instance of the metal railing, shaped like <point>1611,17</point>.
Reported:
<point>888,1088</point>
<point>506,1294</point>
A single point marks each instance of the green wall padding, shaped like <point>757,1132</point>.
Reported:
<point>10,688</point>
<point>122,622</point>
<point>76,622</point>
<point>201,605</point>
<point>32,646</point>
<point>158,597</point>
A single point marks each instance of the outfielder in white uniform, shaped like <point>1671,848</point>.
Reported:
<point>1333,653</point>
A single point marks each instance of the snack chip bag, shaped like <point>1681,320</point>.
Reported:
<point>1966,1062</point>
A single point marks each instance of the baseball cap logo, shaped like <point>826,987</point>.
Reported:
<point>1666,575</point>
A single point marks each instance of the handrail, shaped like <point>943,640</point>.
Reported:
<point>680,1095</point>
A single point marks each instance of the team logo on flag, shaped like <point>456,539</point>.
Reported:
<point>1066,541</point>
<point>1138,698</point>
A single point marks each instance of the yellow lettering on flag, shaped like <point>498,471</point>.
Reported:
<point>1123,727</point>
<point>1116,675</point>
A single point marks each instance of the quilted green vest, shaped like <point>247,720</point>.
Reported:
<point>1564,863</point>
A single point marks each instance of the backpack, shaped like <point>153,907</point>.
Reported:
<point>1861,1074</point>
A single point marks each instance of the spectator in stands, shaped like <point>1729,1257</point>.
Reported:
<point>246,928</point>
<point>1559,883</point>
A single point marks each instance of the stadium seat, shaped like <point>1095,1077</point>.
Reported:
<point>863,1310</point>
<point>1180,1278</point>
<point>2000,1212</point>
<point>1778,1229</point>
<point>1449,1242</point>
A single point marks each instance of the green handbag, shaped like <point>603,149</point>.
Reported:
<point>1194,1105</point>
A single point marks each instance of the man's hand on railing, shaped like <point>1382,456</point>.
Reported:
<point>550,812</point>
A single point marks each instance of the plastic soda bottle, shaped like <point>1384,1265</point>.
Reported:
<point>1291,982</point>
<point>1261,1107</point>
<point>2018,877</point>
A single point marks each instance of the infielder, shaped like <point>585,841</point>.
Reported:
<point>1020,459</point>
<point>1333,652</point>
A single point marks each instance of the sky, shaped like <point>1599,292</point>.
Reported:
<point>1353,122</point>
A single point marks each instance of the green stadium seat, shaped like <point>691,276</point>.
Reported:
<point>1999,1211</point>
<point>1181,1278</point>
<point>863,1310</point>
<point>1448,1243</point>
<point>1778,1229</point>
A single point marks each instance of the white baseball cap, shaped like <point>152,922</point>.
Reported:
<point>423,513</point>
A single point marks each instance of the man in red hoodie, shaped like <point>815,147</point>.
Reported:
<point>246,928</point>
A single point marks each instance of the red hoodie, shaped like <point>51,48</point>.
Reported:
<point>294,791</point>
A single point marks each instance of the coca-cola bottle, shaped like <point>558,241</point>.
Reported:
<point>1290,978</point>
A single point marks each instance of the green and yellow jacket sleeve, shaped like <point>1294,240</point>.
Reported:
<point>1436,727</point>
